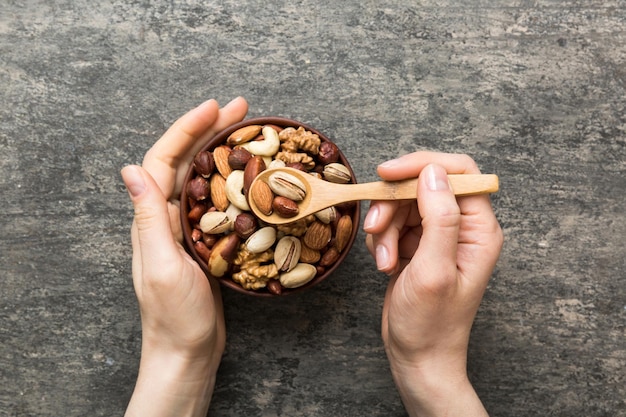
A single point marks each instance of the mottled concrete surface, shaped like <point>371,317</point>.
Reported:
<point>533,90</point>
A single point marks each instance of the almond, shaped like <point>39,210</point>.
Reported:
<point>308,255</point>
<point>243,135</point>
<point>343,233</point>
<point>318,235</point>
<point>220,156</point>
<point>218,192</point>
<point>262,196</point>
<point>329,257</point>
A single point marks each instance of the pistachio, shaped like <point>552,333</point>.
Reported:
<point>336,172</point>
<point>215,222</point>
<point>327,215</point>
<point>298,276</point>
<point>287,253</point>
<point>233,211</point>
<point>261,240</point>
<point>287,185</point>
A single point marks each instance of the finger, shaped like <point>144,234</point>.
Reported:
<point>379,216</point>
<point>161,161</point>
<point>228,115</point>
<point>185,137</point>
<point>153,234</point>
<point>410,165</point>
<point>385,244</point>
<point>441,219</point>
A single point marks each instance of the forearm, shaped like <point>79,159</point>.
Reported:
<point>434,391</point>
<point>170,385</point>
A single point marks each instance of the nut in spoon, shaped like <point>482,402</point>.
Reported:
<point>320,194</point>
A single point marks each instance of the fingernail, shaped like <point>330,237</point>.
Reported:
<point>133,180</point>
<point>372,218</point>
<point>232,101</point>
<point>390,164</point>
<point>382,257</point>
<point>436,178</point>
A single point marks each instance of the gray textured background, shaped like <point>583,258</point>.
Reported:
<point>533,90</point>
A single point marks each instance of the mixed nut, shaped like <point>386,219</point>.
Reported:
<point>234,242</point>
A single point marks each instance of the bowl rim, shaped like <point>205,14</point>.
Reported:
<point>218,140</point>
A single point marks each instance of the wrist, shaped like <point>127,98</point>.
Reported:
<point>436,386</point>
<point>173,384</point>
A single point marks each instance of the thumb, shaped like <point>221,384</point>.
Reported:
<point>441,218</point>
<point>154,238</point>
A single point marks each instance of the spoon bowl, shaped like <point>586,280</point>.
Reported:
<point>320,194</point>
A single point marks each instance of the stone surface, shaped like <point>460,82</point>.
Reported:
<point>533,90</point>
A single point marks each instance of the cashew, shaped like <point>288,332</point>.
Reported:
<point>267,147</point>
<point>234,190</point>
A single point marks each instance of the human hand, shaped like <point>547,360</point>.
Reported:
<point>182,320</point>
<point>439,252</point>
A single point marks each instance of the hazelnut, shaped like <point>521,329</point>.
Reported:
<point>198,188</point>
<point>204,164</point>
<point>328,153</point>
<point>245,225</point>
<point>238,158</point>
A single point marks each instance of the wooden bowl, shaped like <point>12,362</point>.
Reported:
<point>188,226</point>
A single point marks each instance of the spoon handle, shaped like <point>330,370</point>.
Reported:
<point>462,185</point>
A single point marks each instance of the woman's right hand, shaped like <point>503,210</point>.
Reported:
<point>439,252</point>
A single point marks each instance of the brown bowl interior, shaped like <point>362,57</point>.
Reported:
<point>219,139</point>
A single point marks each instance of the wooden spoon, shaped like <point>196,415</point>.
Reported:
<point>321,194</point>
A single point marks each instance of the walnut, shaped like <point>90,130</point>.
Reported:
<point>255,268</point>
<point>299,140</point>
<point>297,228</point>
<point>293,157</point>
